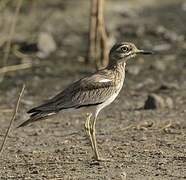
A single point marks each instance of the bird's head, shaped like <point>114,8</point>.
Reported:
<point>123,51</point>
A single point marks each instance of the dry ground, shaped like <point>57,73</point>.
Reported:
<point>141,144</point>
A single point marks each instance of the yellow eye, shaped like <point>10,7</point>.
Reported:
<point>124,49</point>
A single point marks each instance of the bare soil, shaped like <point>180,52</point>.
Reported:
<point>141,144</point>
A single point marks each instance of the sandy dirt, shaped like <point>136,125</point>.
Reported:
<point>141,144</point>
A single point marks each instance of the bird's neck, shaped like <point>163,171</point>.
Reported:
<point>118,66</point>
<point>118,70</point>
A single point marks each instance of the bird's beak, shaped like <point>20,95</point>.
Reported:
<point>144,52</point>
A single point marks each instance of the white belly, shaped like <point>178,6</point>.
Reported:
<point>110,99</point>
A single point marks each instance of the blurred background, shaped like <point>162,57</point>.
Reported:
<point>46,45</point>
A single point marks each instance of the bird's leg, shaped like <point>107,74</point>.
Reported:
<point>93,135</point>
<point>87,129</point>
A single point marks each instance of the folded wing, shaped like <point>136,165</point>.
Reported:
<point>89,91</point>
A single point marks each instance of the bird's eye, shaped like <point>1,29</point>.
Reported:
<point>124,49</point>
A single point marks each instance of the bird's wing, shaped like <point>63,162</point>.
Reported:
<point>88,91</point>
<point>91,90</point>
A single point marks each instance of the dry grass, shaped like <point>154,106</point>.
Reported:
<point>12,119</point>
<point>11,35</point>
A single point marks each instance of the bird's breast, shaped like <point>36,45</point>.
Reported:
<point>118,88</point>
<point>119,82</point>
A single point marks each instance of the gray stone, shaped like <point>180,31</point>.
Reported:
<point>45,44</point>
<point>155,101</point>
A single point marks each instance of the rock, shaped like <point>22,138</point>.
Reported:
<point>134,70</point>
<point>169,102</point>
<point>45,44</point>
<point>155,101</point>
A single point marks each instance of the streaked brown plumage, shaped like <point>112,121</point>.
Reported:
<point>92,93</point>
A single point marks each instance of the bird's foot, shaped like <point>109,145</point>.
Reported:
<point>100,159</point>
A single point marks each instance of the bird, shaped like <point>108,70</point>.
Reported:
<point>92,93</point>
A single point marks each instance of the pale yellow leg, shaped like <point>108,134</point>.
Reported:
<point>87,129</point>
<point>93,135</point>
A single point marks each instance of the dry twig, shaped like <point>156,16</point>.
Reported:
<point>166,127</point>
<point>11,68</point>
<point>13,117</point>
<point>92,31</point>
<point>97,51</point>
<point>11,33</point>
<point>5,110</point>
<point>103,36</point>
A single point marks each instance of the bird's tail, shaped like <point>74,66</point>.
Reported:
<point>37,116</point>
